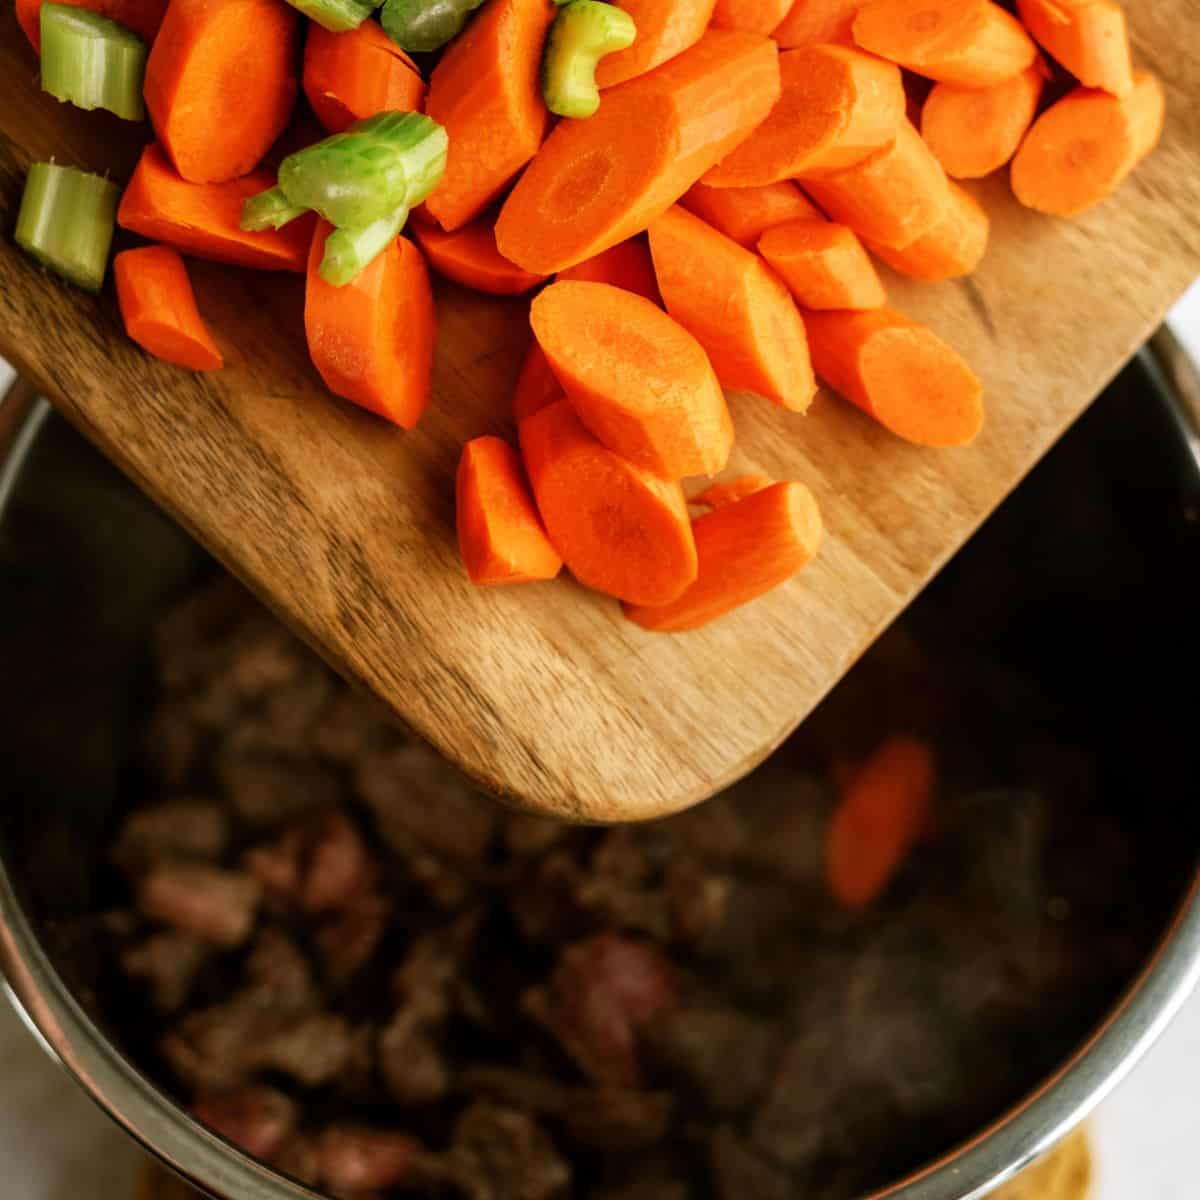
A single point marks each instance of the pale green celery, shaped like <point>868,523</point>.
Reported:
<point>350,251</point>
<point>584,31</point>
<point>269,210</point>
<point>338,16</point>
<point>92,62</point>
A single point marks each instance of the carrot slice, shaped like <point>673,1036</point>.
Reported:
<point>159,308</point>
<point>638,380</point>
<point>143,17</point>
<point>665,28</point>
<point>973,43</point>
<point>731,490</point>
<point>597,182</point>
<point>892,198</point>
<point>372,340</point>
<point>735,307</point>
<point>744,549</point>
<point>883,813</point>
<point>469,256</point>
<point>620,529</point>
<point>824,265</point>
<point>213,124</point>
<point>537,386</point>
<point>818,22</point>
<point>837,107</point>
<point>745,214</point>
<point>1088,37</point>
<point>898,372</point>
<point>500,535</point>
<point>975,131</point>
<point>203,219</point>
<point>351,76</point>
<point>953,248</point>
<point>626,265</point>
<point>754,16</point>
<point>487,92</point>
<point>1082,148</point>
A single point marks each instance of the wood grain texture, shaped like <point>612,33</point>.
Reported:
<point>544,693</point>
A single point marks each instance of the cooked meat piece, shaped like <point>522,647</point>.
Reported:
<point>186,637</point>
<point>350,725</point>
<point>214,905</point>
<point>501,1154</point>
<point>217,1048</point>
<point>298,1157</point>
<point>192,829</point>
<point>526,836</point>
<point>278,867</point>
<point>347,942</point>
<point>412,1062</point>
<point>739,1173</point>
<point>545,904</point>
<point>168,964</point>
<point>258,1119</point>
<point>269,790</point>
<point>355,1158</point>
<point>313,1050</point>
<point>265,658</point>
<point>278,974</point>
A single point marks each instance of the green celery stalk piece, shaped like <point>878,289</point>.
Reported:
<point>92,62</point>
<point>584,31</point>
<point>338,16</point>
<point>348,252</point>
<point>269,210</point>
<point>356,178</point>
<point>419,26</point>
<point>66,222</point>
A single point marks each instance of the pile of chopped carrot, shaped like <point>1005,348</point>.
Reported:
<point>714,226</point>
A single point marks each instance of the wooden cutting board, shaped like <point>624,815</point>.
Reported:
<point>544,693</point>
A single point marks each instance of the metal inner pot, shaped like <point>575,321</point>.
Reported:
<point>1088,576</point>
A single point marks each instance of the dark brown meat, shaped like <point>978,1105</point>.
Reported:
<point>352,1159</point>
<point>348,940</point>
<point>189,829</point>
<point>501,1154</point>
<point>269,790</point>
<point>313,1050</point>
<point>168,964</point>
<point>278,974</point>
<point>214,905</point>
<point>739,1173</point>
<point>258,1119</point>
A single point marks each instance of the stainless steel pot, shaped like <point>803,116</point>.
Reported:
<point>113,560</point>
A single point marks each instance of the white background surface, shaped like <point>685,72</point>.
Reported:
<point>54,1145</point>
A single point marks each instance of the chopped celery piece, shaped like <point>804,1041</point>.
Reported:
<point>584,31</point>
<point>269,210</point>
<point>350,251</point>
<point>67,220</point>
<point>422,25</point>
<point>338,16</point>
<point>92,62</point>
<point>356,178</point>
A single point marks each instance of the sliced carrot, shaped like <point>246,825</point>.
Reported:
<point>816,22</point>
<point>221,82</point>
<point>372,340</point>
<point>537,386</point>
<point>744,549</point>
<point>975,131</point>
<point>824,265</point>
<point>1088,37</point>
<point>143,17</point>
<point>638,380</point>
<point>745,214</point>
<point>203,219</point>
<point>973,43</point>
<point>620,529</point>
<point>665,28</point>
<point>1082,148</point>
<point>883,813</point>
<point>469,256</point>
<point>597,182</point>
<point>898,372</point>
<point>500,535</point>
<point>953,248</point>
<point>754,16</point>
<point>731,490</point>
<point>486,91</point>
<point>892,198</point>
<point>351,76</point>
<point>735,307</point>
<point>626,265</point>
<point>159,308</point>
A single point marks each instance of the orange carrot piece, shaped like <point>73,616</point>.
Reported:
<point>159,308</point>
<point>898,372</point>
<point>639,381</point>
<point>892,198</point>
<point>143,17</point>
<point>620,529</point>
<point>469,256</point>
<point>837,107</point>
<point>824,265</point>
<point>818,22</point>
<point>372,340</point>
<point>973,43</point>
<point>1082,148</point>
<point>597,182</point>
<point>351,76</point>
<point>744,549</point>
<point>745,214</point>
<point>754,16</point>
<point>735,307</point>
<point>975,131</point>
<point>731,490</point>
<point>500,535</point>
<point>883,813</point>
<point>203,219</point>
<point>1088,37</point>
<point>537,386</point>
<point>221,82</point>
<point>487,92</point>
<point>665,28</point>
<point>626,265</point>
<point>952,249</point>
